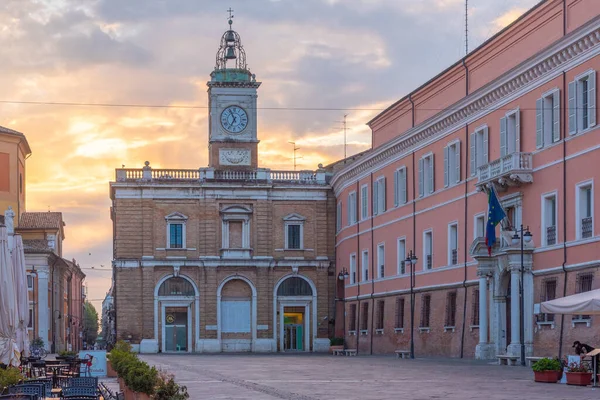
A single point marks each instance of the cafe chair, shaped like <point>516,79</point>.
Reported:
<point>47,382</point>
<point>79,391</point>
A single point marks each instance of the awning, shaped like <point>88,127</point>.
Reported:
<point>582,303</point>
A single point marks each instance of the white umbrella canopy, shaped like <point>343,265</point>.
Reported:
<point>18,259</point>
<point>587,303</point>
<point>9,352</point>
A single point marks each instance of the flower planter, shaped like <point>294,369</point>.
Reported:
<point>546,376</point>
<point>332,348</point>
<point>579,378</point>
<point>110,372</point>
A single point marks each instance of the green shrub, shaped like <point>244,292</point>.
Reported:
<point>547,364</point>
<point>38,342</point>
<point>8,377</point>
<point>168,389</point>
<point>137,374</point>
<point>336,341</point>
<point>67,353</point>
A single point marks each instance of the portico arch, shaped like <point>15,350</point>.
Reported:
<point>234,338</point>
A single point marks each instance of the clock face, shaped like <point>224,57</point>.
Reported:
<point>234,119</point>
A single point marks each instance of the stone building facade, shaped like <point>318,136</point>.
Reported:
<point>232,257</point>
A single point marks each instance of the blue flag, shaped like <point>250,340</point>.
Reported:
<point>495,215</point>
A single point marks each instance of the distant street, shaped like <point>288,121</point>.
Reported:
<point>310,377</point>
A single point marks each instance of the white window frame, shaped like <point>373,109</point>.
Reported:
<point>481,134</point>
<point>576,103</point>
<point>176,218</point>
<point>338,219</point>
<point>400,186</point>
<point>401,255</point>
<point>452,167</point>
<point>476,217</point>
<point>293,219</point>
<point>352,268</point>
<point>426,187</point>
<point>544,198</point>
<point>379,196</point>
<point>352,210</point>
<point>236,213</point>
<point>547,119</point>
<point>30,279</point>
<point>504,132</point>
<point>364,266</point>
<point>380,248</point>
<point>31,314</point>
<point>425,249</point>
<point>364,202</point>
<point>578,210</point>
<point>453,224</point>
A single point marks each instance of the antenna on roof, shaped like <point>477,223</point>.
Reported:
<point>466,27</point>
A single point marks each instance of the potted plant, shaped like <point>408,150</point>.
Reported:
<point>9,376</point>
<point>578,374</point>
<point>336,343</point>
<point>168,389</point>
<point>546,370</point>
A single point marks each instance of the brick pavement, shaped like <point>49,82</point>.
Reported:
<point>311,377</point>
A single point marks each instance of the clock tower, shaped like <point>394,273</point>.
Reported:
<point>232,95</point>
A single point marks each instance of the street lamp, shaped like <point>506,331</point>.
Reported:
<point>343,274</point>
<point>54,329</point>
<point>412,259</point>
<point>525,237</point>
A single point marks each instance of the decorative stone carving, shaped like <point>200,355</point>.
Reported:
<point>234,156</point>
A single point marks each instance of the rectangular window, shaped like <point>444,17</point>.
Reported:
<point>31,316</point>
<point>479,228</point>
<point>175,236</point>
<point>547,119</point>
<point>425,310</point>
<point>585,211</point>
<point>338,215</point>
<point>428,249</point>
<point>401,255</point>
<point>364,317</point>
<point>479,149</point>
<point>400,313</point>
<point>453,244</point>
<point>475,308</point>
<point>400,187</point>
<point>426,175</point>
<point>380,314</point>
<point>352,269</point>
<point>379,194</point>
<point>365,265</point>
<point>585,282</point>
<point>352,322</point>
<point>549,216</point>
<point>510,133</point>
<point>364,202</point>
<point>352,208</point>
<point>30,282</point>
<point>294,233</point>
<point>451,309</point>
<point>452,164</point>
<point>582,102</point>
<point>548,293</point>
<point>381,260</point>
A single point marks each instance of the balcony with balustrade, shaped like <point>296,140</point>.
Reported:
<point>260,176</point>
<point>512,169</point>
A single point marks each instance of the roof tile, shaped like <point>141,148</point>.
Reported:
<point>41,220</point>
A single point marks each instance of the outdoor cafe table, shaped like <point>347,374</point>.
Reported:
<point>55,367</point>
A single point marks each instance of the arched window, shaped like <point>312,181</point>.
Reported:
<point>176,287</point>
<point>294,286</point>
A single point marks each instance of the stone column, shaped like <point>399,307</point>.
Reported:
<point>528,310</point>
<point>483,307</point>
<point>515,317</point>
<point>42,308</point>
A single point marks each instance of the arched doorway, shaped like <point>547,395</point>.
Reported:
<point>295,313</point>
<point>236,314</point>
<point>176,309</point>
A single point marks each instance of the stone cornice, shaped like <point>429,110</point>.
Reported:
<point>584,41</point>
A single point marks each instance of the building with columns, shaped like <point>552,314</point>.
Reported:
<point>230,257</point>
<point>517,114</point>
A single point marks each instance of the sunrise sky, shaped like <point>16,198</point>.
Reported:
<point>320,54</point>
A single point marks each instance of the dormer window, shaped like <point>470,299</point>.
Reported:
<point>176,223</point>
<point>294,232</point>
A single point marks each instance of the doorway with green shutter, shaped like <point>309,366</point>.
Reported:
<point>293,329</point>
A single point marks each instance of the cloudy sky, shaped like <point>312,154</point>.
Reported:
<point>359,55</point>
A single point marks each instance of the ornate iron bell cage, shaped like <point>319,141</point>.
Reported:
<point>232,51</point>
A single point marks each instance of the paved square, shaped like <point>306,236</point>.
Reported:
<point>310,377</point>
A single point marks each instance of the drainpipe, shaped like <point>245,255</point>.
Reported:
<point>564,162</point>
<point>373,273</point>
<point>414,248</point>
<point>464,319</point>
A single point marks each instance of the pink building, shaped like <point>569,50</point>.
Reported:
<point>519,114</point>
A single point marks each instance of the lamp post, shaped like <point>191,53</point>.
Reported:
<point>342,276</point>
<point>54,330</point>
<point>33,274</point>
<point>412,259</point>
<point>524,237</point>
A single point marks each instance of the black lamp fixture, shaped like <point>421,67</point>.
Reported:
<point>525,237</point>
<point>411,259</point>
<point>343,274</point>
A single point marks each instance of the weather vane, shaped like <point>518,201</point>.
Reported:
<point>230,18</point>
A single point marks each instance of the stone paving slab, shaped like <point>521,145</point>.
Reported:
<point>321,377</point>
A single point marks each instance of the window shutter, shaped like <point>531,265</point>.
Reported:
<point>592,98</point>
<point>403,186</point>
<point>421,179</point>
<point>431,177</point>
<point>503,137</point>
<point>446,165</point>
<point>396,188</point>
<point>556,116</point>
<point>518,131</point>
<point>473,155</point>
<point>375,197</point>
<point>485,145</point>
<point>457,155</point>
<point>382,195</point>
<point>572,108</point>
<point>349,209</point>
<point>539,123</point>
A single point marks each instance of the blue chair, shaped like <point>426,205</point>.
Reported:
<point>35,389</point>
<point>79,391</point>
<point>47,382</point>
<point>18,397</point>
<point>81,382</point>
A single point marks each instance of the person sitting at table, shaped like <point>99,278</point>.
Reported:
<point>582,348</point>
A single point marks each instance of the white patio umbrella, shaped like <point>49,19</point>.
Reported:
<point>587,303</point>
<point>18,259</point>
<point>9,352</point>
